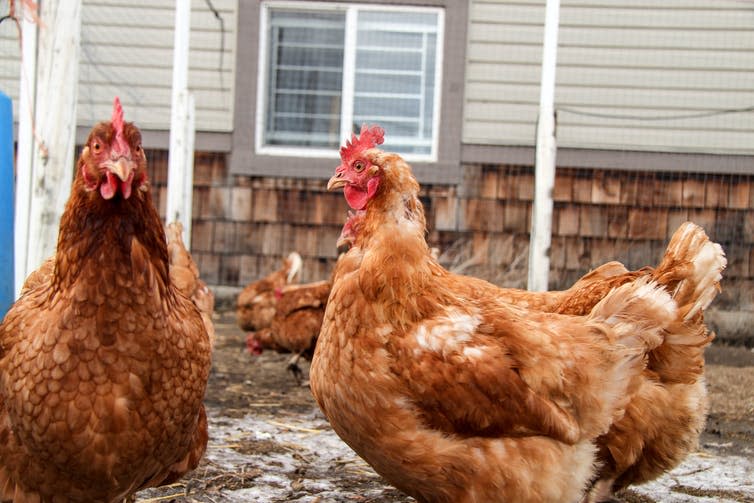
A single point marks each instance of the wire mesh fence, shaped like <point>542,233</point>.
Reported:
<point>633,77</point>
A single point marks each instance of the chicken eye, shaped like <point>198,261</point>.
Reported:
<point>139,150</point>
<point>359,166</point>
<point>97,147</point>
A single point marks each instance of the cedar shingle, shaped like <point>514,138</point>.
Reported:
<point>647,223</point>
<point>606,189</point>
<point>568,220</point>
<point>240,204</point>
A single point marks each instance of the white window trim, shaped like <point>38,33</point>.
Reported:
<point>349,75</point>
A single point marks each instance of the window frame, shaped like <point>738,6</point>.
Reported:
<point>249,157</point>
<point>351,11</point>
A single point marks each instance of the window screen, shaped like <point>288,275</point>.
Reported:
<point>331,69</point>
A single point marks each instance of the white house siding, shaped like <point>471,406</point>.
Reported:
<point>635,58</point>
<point>9,57</point>
<point>127,50</point>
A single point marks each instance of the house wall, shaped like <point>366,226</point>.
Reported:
<point>127,51</point>
<point>628,73</point>
<point>626,60</point>
<point>244,226</point>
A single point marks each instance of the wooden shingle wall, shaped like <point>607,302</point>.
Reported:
<point>244,226</point>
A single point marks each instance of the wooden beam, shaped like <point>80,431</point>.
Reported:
<point>544,173</point>
<point>50,164</point>
<point>181,157</point>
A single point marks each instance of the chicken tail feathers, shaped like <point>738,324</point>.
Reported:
<point>638,312</point>
<point>295,264</point>
<point>633,318</point>
<point>691,269</point>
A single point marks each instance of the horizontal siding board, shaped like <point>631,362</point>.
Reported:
<point>494,32</point>
<point>143,37</point>
<point>111,56</point>
<point>649,78</point>
<point>612,57</point>
<point>624,118</point>
<point>126,16</point>
<point>659,16</point>
<point>570,136</point>
<point>679,5</point>
<point>662,101</point>
<point>652,139</point>
<point>490,111</point>
<point>148,77</point>
<point>507,13</point>
<point>616,58</point>
<point>658,39</point>
<point>628,38</point>
<point>221,5</point>
<point>499,133</point>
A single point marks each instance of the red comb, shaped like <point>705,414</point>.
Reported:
<point>369,137</point>
<point>120,145</point>
<point>117,118</point>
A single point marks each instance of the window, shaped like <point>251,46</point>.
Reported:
<point>327,68</point>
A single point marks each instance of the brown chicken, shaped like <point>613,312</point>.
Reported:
<point>103,366</point>
<point>184,274</point>
<point>450,392</point>
<point>255,306</point>
<point>296,324</point>
<point>42,275</point>
<point>667,412</point>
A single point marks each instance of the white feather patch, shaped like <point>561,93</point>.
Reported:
<point>447,333</point>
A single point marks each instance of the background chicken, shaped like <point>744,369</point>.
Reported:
<point>295,327</point>
<point>255,306</point>
<point>103,362</point>
<point>450,392</point>
<point>184,274</point>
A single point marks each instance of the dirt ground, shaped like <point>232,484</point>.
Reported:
<point>270,443</point>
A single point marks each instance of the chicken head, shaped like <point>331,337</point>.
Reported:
<point>357,173</point>
<point>113,161</point>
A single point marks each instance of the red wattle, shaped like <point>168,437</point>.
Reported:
<point>108,188</point>
<point>355,197</point>
<point>125,187</point>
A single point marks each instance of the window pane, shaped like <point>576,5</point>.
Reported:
<point>393,72</point>
<point>394,84</point>
<point>373,82</point>
<point>305,75</point>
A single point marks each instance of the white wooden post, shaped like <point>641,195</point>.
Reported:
<point>544,175</point>
<point>181,157</point>
<point>49,164</point>
<point>24,153</point>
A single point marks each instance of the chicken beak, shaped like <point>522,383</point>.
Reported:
<point>336,182</point>
<point>122,167</point>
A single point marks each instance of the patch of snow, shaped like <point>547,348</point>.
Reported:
<point>705,472</point>
<point>299,458</point>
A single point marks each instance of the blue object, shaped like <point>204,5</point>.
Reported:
<point>6,204</point>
